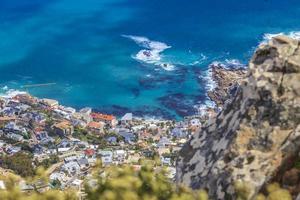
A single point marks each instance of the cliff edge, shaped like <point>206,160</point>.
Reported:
<point>256,134</point>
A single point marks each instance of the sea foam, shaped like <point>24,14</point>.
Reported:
<point>292,34</point>
<point>10,93</point>
<point>151,54</point>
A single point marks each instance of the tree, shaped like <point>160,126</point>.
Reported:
<point>20,163</point>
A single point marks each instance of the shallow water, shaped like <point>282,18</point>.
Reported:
<point>80,46</point>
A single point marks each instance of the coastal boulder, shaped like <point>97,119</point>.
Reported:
<point>256,134</point>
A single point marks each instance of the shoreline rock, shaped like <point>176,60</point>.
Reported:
<point>227,81</point>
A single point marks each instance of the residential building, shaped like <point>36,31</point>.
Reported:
<point>63,128</point>
<point>108,119</point>
<point>106,157</point>
<point>71,168</point>
<point>49,103</point>
<point>96,127</point>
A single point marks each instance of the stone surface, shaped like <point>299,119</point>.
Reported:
<point>227,82</point>
<point>257,131</point>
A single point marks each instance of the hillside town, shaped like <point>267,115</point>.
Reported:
<point>69,142</point>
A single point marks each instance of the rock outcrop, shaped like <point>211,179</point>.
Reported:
<point>227,81</point>
<point>255,135</point>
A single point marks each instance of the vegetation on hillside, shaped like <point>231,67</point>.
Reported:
<point>20,163</point>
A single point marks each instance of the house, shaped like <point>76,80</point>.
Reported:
<point>15,137</point>
<point>71,168</point>
<point>128,136</point>
<point>164,142</point>
<point>68,110</point>
<point>96,127</point>
<point>112,140</point>
<point>89,153</point>
<point>9,111</point>
<point>166,161</point>
<point>85,114</point>
<point>38,149</point>
<point>106,157</point>
<point>66,143</point>
<point>63,128</point>
<point>148,153</point>
<point>39,118</point>
<point>13,149</point>
<point>13,127</point>
<point>195,123</point>
<point>83,163</point>
<point>23,108</point>
<point>70,159</point>
<point>108,119</point>
<point>49,103</point>
<point>127,118</point>
<point>41,135</point>
<point>178,133</point>
<point>120,155</point>
<point>60,176</point>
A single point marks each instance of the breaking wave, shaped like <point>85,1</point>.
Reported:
<point>151,54</point>
<point>292,34</point>
<point>9,93</point>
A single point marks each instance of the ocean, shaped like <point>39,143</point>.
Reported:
<point>148,57</point>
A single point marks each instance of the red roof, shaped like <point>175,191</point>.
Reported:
<point>100,116</point>
<point>95,125</point>
<point>89,152</point>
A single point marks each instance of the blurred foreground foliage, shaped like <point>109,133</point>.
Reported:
<point>128,183</point>
<point>113,183</point>
<point>273,192</point>
<point>144,184</point>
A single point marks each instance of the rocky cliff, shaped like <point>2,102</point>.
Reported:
<point>256,134</point>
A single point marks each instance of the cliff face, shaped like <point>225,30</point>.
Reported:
<point>257,132</point>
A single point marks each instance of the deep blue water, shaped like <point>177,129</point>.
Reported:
<point>78,44</point>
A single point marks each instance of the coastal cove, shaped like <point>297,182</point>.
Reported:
<point>146,57</point>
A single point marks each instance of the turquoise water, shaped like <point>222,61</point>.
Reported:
<point>87,49</point>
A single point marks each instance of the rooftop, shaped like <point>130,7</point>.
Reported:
<point>101,116</point>
<point>62,125</point>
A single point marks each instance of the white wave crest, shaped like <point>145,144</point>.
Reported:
<point>229,64</point>
<point>204,107</point>
<point>210,84</point>
<point>292,34</point>
<point>10,93</point>
<point>152,52</point>
<point>147,43</point>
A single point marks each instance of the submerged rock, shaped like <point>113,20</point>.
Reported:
<point>257,131</point>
